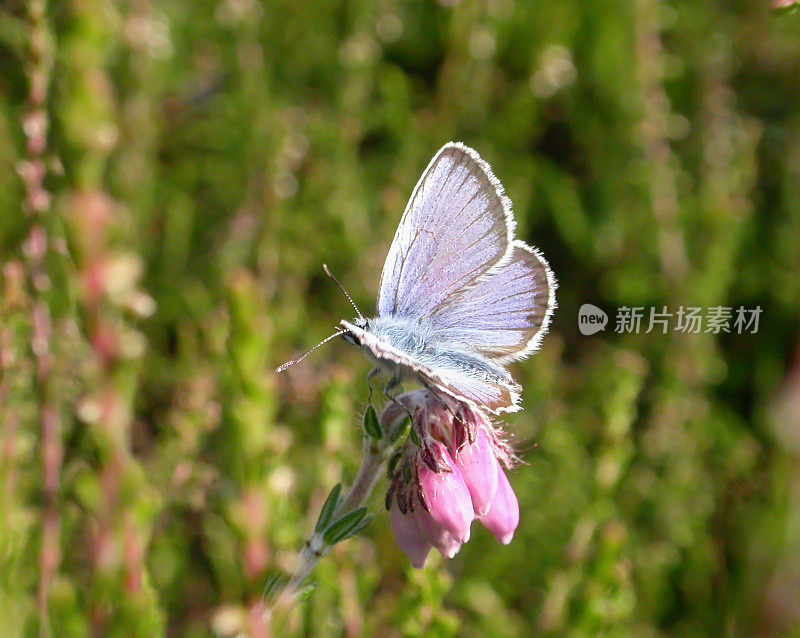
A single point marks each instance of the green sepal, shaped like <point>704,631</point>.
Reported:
<point>398,430</point>
<point>415,437</point>
<point>392,465</point>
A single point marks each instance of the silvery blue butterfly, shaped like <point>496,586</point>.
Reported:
<point>459,297</point>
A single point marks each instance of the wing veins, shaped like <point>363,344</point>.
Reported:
<point>424,224</point>
<point>451,256</point>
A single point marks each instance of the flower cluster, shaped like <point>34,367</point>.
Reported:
<point>447,474</point>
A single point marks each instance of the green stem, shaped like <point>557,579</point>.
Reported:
<point>376,454</point>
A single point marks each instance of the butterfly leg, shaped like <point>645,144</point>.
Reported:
<point>433,391</point>
<point>393,384</point>
<point>370,376</point>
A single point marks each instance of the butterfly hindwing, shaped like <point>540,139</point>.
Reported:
<point>464,375</point>
<point>475,379</point>
<point>505,314</point>
<point>493,397</point>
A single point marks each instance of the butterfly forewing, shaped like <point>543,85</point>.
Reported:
<point>456,226</point>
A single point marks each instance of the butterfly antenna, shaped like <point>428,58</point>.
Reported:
<point>336,281</point>
<point>308,352</point>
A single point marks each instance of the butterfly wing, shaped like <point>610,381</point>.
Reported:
<point>463,375</point>
<point>454,265</point>
<point>505,314</point>
<point>457,225</point>
<point>496,393</point>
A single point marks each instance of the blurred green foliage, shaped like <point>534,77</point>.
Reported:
<point>205,159</point>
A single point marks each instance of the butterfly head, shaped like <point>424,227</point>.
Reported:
<point>348,335</point>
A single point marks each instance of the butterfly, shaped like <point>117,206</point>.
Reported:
<point>459,297</point>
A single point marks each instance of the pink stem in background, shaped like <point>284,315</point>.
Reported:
<point>14,281</point>
<point>37,204</point>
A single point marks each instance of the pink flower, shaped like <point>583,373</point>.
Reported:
<point>445,476</point>
<point>478,467</point>
<point>503,517</point>
<point>409,538</point>
<point>444,494</point>
<point>435,534</point>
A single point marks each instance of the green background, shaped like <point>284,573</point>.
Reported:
<point>204,159</point>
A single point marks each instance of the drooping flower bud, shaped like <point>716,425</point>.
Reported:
<point>478,466</point>
<point>503,516</point>
<point>409,537</point>
<point>441,539</point>
<point>444,494</point>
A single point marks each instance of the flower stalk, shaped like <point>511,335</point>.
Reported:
<point>342,518</point>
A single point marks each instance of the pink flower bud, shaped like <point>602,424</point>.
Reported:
<point>409,538</point>
<point>437,536</point>
<point>479,469</point>
<point>446,496</point>
<point>503,516</point>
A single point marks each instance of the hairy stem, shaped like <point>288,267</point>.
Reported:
<point>372,463</point>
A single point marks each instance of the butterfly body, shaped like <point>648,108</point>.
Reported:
<point>406,349</point>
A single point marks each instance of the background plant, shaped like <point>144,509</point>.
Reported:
<point>172,177</point>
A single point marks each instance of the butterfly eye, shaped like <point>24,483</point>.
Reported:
<point>348,336</point>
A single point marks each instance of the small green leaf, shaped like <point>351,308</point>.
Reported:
<point>399,429</point>
<point>327,510</point>
<point>393,463</point>
<point>344,527</point>
<point>275,582</point>
<point>304,592</point>
<point>371,425</point>
<point>362,525</point>
<point>415,437</point>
